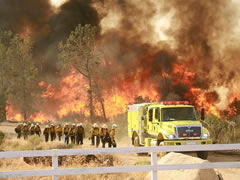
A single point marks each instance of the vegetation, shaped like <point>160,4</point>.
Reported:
<point>80,52</point>
<point>17,72</point>
<point>222,130</point>
<point>5,69</point>
<point>24,74</point>
<point>2,135</point>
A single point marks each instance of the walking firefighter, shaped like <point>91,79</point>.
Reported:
<point>46,133</point>
<point>94,132</point>
<point>112,136</point>
<point>66,131</point>
<point>104,136</point>
<point>37,129</point>
<point>79,133</point>
<point>18,130</point>
<point>59,131</point>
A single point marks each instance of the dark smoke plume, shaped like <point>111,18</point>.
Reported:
<point>198,29</point>
<point>46,26</point>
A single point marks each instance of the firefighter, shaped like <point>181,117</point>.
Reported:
<point>37,129</point>
<point>112,136</point>
<point>95,135</point>
<point>18,130</point>
<point>66,131</point>
<point>32,129</point>
<point>104,136</point>
<point>72,133</point>
<point>79,133</point>
<point>25,131</point>
<point>46,133</point>
<point>52,132</point>
<point>59,131</point>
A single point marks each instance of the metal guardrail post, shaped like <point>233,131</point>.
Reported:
<point>54,165</point>
<point>95,141</point>
<point>154,163</point>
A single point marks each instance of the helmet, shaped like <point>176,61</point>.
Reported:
<point>47,126</point>
<point>24,124</point>
<point>73,124</point>
<point>104,126</point>
<point>66,124</point>
<point>95,125</point>
<point>52,124</point>
<point>80,124</point>
<point>114,126</point>
<point>37,124</point>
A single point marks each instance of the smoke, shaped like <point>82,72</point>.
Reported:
<point>45,25</point>
<point>197,37</point>
<point>175,47</point>
<point>25,16</point>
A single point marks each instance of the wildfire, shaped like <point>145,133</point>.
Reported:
<point>70,97</point>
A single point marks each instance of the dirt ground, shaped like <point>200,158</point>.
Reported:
<point>119,159</point>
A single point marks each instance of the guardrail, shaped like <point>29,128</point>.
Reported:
<point>154,167</point>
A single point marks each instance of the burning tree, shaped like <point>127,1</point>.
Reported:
<point>81,53</point>
<point>5,38</point>
<point>24,74</point>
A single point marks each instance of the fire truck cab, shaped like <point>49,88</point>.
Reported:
<point>167,123</point>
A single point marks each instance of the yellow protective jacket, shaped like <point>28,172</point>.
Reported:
<point>52,129</point>
<point>66,130</point>
<point>46,131</point>
<point>59,129</point>
<point>112,134</point>
<point>37,128</point>
<point>103,132</point>
<point>94,131</point>
<point>25,129</point>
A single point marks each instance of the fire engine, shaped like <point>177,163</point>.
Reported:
<point>167,123</point>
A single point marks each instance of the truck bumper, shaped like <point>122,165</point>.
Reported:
<point>187,142</point>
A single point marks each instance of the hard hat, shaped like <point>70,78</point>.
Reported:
<point>74,124</point>
<point>52,124</point>
<point>80,124</point>
<point>95,125</point>
<point>114,126</point>
<point>37,124</point>
<point>24,124</point>
<point>47,126</point>
<point>66,124</point>
<point>104,126</point>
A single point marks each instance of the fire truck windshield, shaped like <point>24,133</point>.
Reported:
<point>178,113</point>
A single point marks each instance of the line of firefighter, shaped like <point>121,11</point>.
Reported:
<point>97,134</point>
<point>26,129</point>
<point>76,133</point>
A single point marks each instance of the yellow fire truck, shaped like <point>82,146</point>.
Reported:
<point>166,123</point>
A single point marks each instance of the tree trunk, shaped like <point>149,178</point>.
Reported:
<point>90,93</point>
<point>3,113</point>
<point>24,108</point>
<point>101,100</point>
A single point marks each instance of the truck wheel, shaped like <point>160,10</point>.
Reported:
<point>202,154</point>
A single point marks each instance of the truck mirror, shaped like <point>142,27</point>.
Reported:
<point>202,114</point>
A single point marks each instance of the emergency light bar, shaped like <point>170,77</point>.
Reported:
<point>174,102</point>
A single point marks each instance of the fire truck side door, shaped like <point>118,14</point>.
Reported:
<point>150,119</point>
<point>156,119</point>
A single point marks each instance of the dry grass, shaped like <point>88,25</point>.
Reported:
<point>11,143</point>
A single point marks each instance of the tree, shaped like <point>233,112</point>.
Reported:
<point>5,85</point>
<point>81,53</point>
<point>24,74</point>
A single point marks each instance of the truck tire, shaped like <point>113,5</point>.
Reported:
<point>202,154</point>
